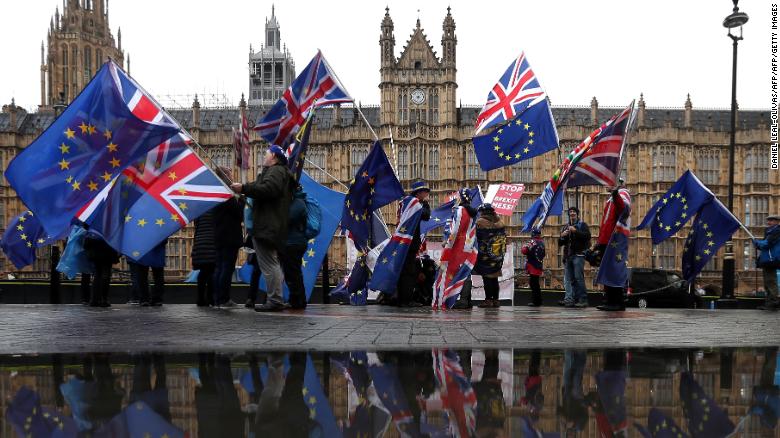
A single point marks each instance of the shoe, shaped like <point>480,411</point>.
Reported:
<point>269,307</point>
<point>534,305</point>
<point>770,307</point>
<point>249,304</point>
<point>133,302</point>
<point>486,304</point>
<point>565,303</point>
<point>229,303</point>
<point>569,305</point>
<point>463,305</point>
<point>496,303</point>
<point>581,304</point>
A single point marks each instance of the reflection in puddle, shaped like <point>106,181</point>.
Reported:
<point>436,393</point>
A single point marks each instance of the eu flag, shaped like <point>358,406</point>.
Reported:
<point>613,270</point>
<point>82,151</point>
<point>443,213</point>
<point>529,134</point>
<point>22,237</point>
<point>391,259</point>
<point>314,397</point>
<point>705,417</point>
<point>374,186</point>
<point>660,425</point>
<point>139,420</point>
<point>29,419</point>
<point>676,207</point>
<point>712,227</point>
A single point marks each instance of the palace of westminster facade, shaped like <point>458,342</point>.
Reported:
<point>431,139</point>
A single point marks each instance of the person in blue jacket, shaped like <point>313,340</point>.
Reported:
<point>769,261</point>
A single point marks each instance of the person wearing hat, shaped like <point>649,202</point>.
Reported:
<point>411,268</point>
<point>534,252</point>
<point>272,195</point>
<point>575,239</point>
<point>491,246</point>
<point>769,261</point>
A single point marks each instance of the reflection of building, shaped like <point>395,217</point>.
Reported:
<point>432,130</point>
<point>271,69</point>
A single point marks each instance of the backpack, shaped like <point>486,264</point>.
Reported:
<point>313,218</point>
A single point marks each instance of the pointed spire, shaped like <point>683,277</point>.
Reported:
<point>594,111</point>
<point>119,38</point>
<point>128,65</point>
<point>42,63</point>
<point>688,103</point>
<point>641,113</point>
<point>688,115</point>
<point>242,103</point>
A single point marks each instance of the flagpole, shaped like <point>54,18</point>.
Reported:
<point>392,146</point>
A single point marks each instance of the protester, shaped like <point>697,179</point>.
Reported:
<point>103,256</point>
<point>228,238</point>
<point>769,261</point>
<point>254,281</point>
<point>411,268</point>
<point>139,276</point>
<point>575,239</point>
<point>294,250</point>
<point>458,249</point>
<point>491,244</point>
<point>534,252</point>
<point>616,211</point>
<point>204,257</point>
<point>272,194</point>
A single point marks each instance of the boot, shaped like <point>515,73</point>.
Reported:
<point>464,300</point>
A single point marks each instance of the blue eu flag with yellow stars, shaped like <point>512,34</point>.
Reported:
<point>529,134</point>
<point>93,140</point>
<point>29,419</point>
<point>374,186</point>
<point>676,207</point>
<point>319,408</point>
<point>139,420</point>
<point>660,425</point>
<point>712,227</point>
<point>22,237</point>
<point>705,417</point>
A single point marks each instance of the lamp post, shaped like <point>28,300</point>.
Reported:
<point>735,20</point>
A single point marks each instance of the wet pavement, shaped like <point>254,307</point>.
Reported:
<point>429,392</point>
<point>35,329</point>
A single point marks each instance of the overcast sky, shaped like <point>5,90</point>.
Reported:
<point>579,49</point>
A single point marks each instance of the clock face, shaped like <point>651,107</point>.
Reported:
<point>418,96</point>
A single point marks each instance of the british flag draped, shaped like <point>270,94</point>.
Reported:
<point>316,86</point>
<point>458,397</point>
<point>457,259</point>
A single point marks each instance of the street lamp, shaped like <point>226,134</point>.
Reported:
<point>735,20</point>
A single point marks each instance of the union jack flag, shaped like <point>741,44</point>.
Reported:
<point>168,189</point>
<point>317,85</point>
<point>457,395</point>
<point>516,90</point>
<point>457,259</point>
<point>599,166</point>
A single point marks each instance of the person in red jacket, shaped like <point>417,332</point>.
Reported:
<point>534,252</point>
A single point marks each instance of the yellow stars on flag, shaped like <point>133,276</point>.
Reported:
<point>64,148</point>
<point>69,133</point>
<point>69,179</point>
<point>23,236</point>
<point>175,217</point>
<point>182,191</point>
<point>172,176</point>
<point>182,206</point>
<point>159,222</point>
<point>311,252</point>
<point>112,147</point>
<point>84,128</point>
<point>107,134</point>
<point>76,185</point>
<point>128,218</point>
<point>115,162</point>
<point>91,129</point>
<point>142,222</point>
<point>92,186</point>
<point>64,164</point>
<point>20,227</point>
<point>106,176</point>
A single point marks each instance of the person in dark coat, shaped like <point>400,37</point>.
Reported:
<point>139,276</point>
<point>142,390</point>
<point>272,195</point>
<point>491,244</point>
<point>204,257</point>
<point>228,238</point>
<point>103,256</point>
<point>407,280</point>
<point>294,251</point>
<point>216,399</point>
<point>769,261</point>
<point>575,240</point>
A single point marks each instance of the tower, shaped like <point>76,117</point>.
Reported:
<point>78,42</point>
<point>272,69</point>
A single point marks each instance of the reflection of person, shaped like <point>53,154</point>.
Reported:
<point>573,408</point>
<point>609,402</point>
<point>769,261</point>
<point>281,410</point>
<point>102,396</point>
<point>766,396</point>
<point>491,410</point>
<point>534,398</point>
<point>156,396</point>
<point>219,410</point>
<point>575,239</point>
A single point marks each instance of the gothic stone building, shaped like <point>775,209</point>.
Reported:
<point>432,132</point>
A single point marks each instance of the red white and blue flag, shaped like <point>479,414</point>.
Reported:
<point>391,260</point>
<point>515,91</point>
<point>316,86</point>
<point>154,198</point>
<point>613,270</point>
<point>457,395</point>
<point>457,259</point>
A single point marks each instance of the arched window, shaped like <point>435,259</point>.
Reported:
<point>87,64</point>
<point>664,163</point>
<point>357,154</point>
<point>433,162</point>
<point>708,165</point>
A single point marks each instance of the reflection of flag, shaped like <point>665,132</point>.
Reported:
<point>314,397</point>
<point>529,134</point>
<point>599,166</point>
<point>705,417</point>
<point>458,256</point>
<point>391,393</point>
<point>374,186</point>
<point>443,213</point>
<point>676,207</point>
<point>94,139</point>
<point>660,425</point>
<point>612,393</point>
<point>317,85</point>
<point>457,395</point>
<point>155,198</point>
<point>22,237</point>
<point>29,419</point>
<point>712,227</point>
<point>516,91</point>
<point>527,426</point>
<point>354,367</point>
<point>391,259</point>
<point>138,420</point>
